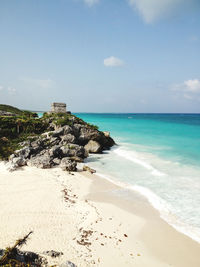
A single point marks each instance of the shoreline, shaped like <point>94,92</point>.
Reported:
<point>60,207</point>
<point>155,203</point>
<point>166,212</point>
<point>137,204</point>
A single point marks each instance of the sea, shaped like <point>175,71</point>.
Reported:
<point>157,155</point>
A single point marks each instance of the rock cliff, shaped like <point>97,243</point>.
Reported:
<point>65,140</point>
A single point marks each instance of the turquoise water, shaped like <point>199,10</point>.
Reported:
<point>159,156</point>
<point>40,114</point>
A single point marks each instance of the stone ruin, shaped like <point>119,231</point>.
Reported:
<point>58,108</point>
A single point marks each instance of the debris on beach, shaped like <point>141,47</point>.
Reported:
<point>13,256</point>
<point>87,168</point>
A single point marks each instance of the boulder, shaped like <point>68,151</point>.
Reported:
<point>19,161</point>
<point>68,138</point>
<point>54,141</point>
<point>58,132</point>
<point>55,151</point>
<point>87,168</point>
<point>87,134</point>
<point>43,161</point>
<point>93,147</point>
<point>107,142</point>
<point>76,151</point>
<point>107,134</point>
<point>68,264</point>
<point>67,130</point>
<point>56,161</point>
<point>77,159</point>
<point>65,151</point>
<point>68,165</point>
<point>76,129</point>
<point>24,152</point>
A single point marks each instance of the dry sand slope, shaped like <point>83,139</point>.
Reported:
<point>80,216</point>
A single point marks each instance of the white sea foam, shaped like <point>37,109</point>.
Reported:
<point>165,213</point>
<point>167,209</point>
<point>159,204</point>
<point>134,157</point>
<point>113,181</point>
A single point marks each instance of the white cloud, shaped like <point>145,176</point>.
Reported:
<point>113,62</point>
<point>189,89</point>
<point>91,2</point>
<point>192,85</point>
<point>43,83</point>
<point>11,90</point>
<point>152,10</point>
<point>1,88</point>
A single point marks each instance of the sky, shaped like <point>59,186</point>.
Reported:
<point>101,55</point>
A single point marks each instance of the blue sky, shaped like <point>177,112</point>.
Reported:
<point>101,55</point>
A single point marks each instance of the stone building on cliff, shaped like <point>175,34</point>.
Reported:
<point>58,108</point>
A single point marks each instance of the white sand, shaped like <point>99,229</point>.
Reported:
<point>119,231</point>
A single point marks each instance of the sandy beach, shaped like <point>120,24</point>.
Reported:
<point>90,220</point>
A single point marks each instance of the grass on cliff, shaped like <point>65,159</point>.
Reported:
<point>17,111</point>
<point>14,130</point>
<point>61,119</point>
<point>11,109</point>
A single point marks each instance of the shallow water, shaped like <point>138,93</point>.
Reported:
<point>159,156</point>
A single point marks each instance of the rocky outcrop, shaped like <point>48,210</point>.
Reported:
<point>62,146</point>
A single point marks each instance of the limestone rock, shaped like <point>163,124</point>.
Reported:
<point>93,147</point>
<point>68,138</point>
<point>58,132</point>
<point>43,162</point>
<point>107,134</point>
<point>68,165</point>
<point>87,168</point>
<point>65,151</point>
<point>56,161</point>
<point>19,161</point>
<point>68,264</point>
<point>53,253</point>
<point>67,130</point>
<point>62,145</point>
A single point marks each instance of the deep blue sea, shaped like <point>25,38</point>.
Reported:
<point>157,155</point>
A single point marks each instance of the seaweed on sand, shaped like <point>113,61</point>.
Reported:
<point>13,257</point>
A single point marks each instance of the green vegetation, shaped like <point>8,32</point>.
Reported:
<point>59,119</point>
<point>95,127</point>
<point>11,109</point>
<point>17,111</point>
<point>14,130</point>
